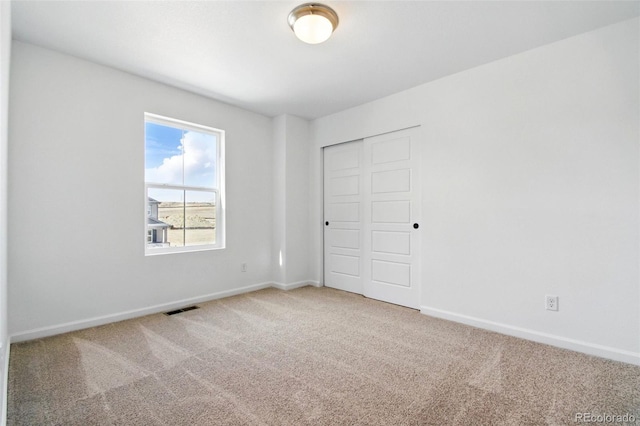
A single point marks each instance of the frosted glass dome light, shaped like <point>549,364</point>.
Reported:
<point>313,23</point>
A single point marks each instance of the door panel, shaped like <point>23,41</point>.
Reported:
<point>342,158</point>
<point>371,202</point>
<point>391,242</point>
<point>391,246</point>
<point>345,238</point>
<point>391,273</point>
<point>391,150</point>
<point>346,185</point>
<point>343,212</point>
<point>391,181</point>
<point>345,265</point>
<point>391,212</point>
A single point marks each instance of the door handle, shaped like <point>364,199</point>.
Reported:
<point>326,223</point>
<point>416,226</point>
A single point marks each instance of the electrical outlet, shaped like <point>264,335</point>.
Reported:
<point>551,303</point>
<point>243,267</point>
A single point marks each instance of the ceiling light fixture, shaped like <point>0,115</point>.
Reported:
<point>313,23</point>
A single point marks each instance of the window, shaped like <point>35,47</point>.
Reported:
<point>184,186</point>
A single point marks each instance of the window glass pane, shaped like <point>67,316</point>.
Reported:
<point>163,154</point>
<point>180,157</point>
<point>200,218</point>
<point>200,152</point>
<point>165,221</point>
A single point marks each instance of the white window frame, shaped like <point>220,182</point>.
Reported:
<point>219,191</point>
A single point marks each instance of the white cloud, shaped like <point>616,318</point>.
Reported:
<point>199,160</point>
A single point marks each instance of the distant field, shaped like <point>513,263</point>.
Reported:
<point>200,223</point>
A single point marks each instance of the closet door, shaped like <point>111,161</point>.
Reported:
<point>391,218</point>
<point>372,217</point>
<point>343,199</point>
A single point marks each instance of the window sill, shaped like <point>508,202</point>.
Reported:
<point>176,250</point>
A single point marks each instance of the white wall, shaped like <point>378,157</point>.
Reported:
<point>298,144</point>
<point>291,201</point>
<point>279,190</point>
<point>5,48</point>
<point>530,187</point>
<point>76,167</point>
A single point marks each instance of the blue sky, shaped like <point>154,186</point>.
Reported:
<point>179,157</point>
<point>160,142</point>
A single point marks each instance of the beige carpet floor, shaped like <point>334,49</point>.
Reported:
<point>311,356</point>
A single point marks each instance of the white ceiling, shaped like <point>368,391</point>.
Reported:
<point>243,52</point>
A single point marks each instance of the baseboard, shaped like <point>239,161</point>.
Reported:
<point>536,336</point>
<point>5,382</point>
<point>291,286</point>
<point>106,319</point>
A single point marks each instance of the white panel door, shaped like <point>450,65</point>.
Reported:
<point>391,244</point>
<point>371,213</point>
<point>343,199</point>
